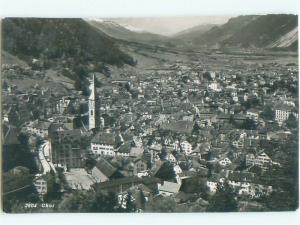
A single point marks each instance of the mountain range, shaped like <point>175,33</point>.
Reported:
<point>92,41</point>
<point>251,31</point>
<point>117,31</point>
<point>98,41</point>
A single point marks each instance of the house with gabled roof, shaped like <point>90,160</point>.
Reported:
<point>103,144</point>
<point>225,161</point>
<point>139,165</point>
<point>39,128</point>
<point>168,188</point>
<point>104,170</point>
<point>261,159</point>
<point>124,150</point>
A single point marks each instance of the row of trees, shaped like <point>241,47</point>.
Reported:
<point>96,201</point>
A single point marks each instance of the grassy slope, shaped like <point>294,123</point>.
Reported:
<point>59,38</point>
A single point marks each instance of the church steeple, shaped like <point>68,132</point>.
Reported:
<point>93,105</point>
<point>92,88</point>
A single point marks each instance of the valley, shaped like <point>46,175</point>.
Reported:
<point>142,123</point>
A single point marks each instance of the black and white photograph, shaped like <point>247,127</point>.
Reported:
<point>174,114</point>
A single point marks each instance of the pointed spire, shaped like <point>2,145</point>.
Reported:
<point>93,79</point>
<point>92,88</point>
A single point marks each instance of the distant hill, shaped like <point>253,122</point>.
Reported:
<point>264,31</point>
<point>257,31</point>
<point>218,34</point>
<point>117,31</point>
<point>51,39</point>
<point>191,34</point>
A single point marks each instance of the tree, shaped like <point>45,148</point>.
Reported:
<point>166,172</point>
<point>167,204</point>
<point>196,128</point>
<point>223,200</point>
<point>179,93</point>
<point>18,188</point>
<point>242,165</point>
<point>18,155</point>
<point>142,199</point>
<point>77,84</point>
<point>163,154</point>
<point>128,87</point>
<point>130,206</point>
<point>251,103</point>
<point>161,204</point>
<point>53,187</point>
<point>105,201</point>
<point>80,201</point>
<point>284,179</point>
<point>197,185</point>
<point>249,124</point>
<point>292,122</point>
<point>185,79</point>
<point>268,113</point>
<point>90,162</point>
<point>207,76</point>
<point>4,85</point>
<point>151,140</point>
<point>89,201</point>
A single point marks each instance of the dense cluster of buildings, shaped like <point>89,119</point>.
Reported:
<point>156,129</point>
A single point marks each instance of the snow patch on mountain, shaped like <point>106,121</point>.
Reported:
<point>132,28</point>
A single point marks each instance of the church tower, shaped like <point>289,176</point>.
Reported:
<point>93,106</point>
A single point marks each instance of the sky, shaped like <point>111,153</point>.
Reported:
<point>168,25</point>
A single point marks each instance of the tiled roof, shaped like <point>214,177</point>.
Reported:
<point>136,151</point>
<point>148,181</point>
<point>179,126</point>
<point>125,148</point>
<point>104,138</point>
<point>105,167</point>
<point>214,178</point>
<point>169,187</point>
<point>241,176</point>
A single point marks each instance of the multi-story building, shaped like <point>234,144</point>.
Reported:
<point>65,147</point>
<point>253,114</point>
<point>63,105</point>
<point>140,165</point>
<point>283,112</point>
<point>39,128</point>
<point>103,144</point>
<point>262,160</point>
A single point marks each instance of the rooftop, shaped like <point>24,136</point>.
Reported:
<point>105,167</point>
<point>104,138</point>
<point>169,187</point>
